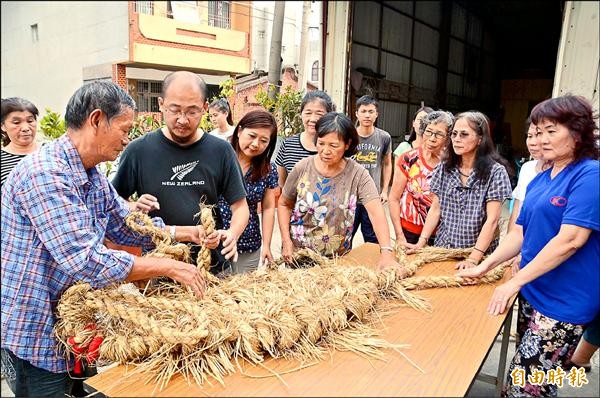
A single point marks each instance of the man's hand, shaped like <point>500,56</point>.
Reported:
<point>146,203</point>
<point>188,275</point>
<point>229,244</point>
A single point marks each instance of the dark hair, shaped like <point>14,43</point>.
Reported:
<point>575,113</point>
<point>16,104</point>
<point>317,95</point>
<point>222,105</point>
<point>261,165</point>
<point>173,75</point>
<point>486,153</point>
<point>111,99</point>
<point>341,124</point>
<point>413,133</point>
<point>367,100</point>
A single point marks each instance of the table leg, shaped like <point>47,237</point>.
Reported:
<point>503,351</point>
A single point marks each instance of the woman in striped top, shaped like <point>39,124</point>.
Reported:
<point>19,126</point>
<point>315,105</point>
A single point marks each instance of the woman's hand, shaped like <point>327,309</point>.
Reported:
<point>387,259</point>
<point>501,296</point>
<point>472,273</point>
<point>287,250</point>
<point>229,244</point>
<point>412,248</point>
<point>266,256</point>
<point>515,264</point>
<point>465,264</point>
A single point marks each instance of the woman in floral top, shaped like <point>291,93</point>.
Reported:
<point>318,203</point>
<point>410,196</point>
<point>254,142</point>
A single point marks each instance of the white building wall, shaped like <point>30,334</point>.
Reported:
<point>262,26</point>
<point>71,36</point>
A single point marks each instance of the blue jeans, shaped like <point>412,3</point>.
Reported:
<point>26,380</point>
<point>361,218</point>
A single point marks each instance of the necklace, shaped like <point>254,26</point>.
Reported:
<point>463,174</point>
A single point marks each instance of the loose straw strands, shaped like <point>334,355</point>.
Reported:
<point>298,314</point>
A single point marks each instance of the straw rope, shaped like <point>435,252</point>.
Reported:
<point>277,311</point>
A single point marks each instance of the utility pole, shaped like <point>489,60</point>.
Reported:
<point>304,38</point>
<point>275,54</point>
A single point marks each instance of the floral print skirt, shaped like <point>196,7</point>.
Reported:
<point>543,345</point>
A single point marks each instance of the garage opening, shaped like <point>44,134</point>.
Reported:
<point>497,57</point>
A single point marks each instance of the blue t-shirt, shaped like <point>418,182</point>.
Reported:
<point>250,240</point>
<point>571,291</point>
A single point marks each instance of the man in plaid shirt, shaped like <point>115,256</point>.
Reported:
<point>57,209</point>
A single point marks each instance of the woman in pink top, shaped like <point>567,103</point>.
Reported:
<point>409,197</point>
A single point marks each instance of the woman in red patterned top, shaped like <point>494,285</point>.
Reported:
<point>410,197</point>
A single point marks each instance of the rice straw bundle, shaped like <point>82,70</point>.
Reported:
<point>277,311</point>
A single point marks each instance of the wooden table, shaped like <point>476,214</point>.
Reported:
<point>450,344</point>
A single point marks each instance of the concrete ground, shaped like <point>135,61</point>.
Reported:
<point>490,366</point>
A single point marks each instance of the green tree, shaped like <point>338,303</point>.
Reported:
<point>285,107</point>
<point>143,124</point>
<point>52,124</point>
<point>226,90</point>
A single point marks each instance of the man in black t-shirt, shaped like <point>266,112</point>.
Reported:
<point>176,167</point>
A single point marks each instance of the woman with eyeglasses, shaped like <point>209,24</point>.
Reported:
<point>558,236</point>
<point>410,196</point>
<point>468,189</point>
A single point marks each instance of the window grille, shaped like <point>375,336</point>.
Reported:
<point>219,14</point>
<point>147,95</point>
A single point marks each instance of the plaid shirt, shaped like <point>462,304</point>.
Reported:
<point>463,208</point>
<point>55,216</point>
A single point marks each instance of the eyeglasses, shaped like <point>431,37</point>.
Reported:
<point>429,133</point>
<point>463,135</point>
<point>190,114</point>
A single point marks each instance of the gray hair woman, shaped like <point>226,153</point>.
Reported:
<point>410,196</point>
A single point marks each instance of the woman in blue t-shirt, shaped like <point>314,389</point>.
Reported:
<point>253,141</point>
<point>558,234</point>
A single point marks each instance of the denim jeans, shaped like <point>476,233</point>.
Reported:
<point>361,217</point>
<point>26,380</point>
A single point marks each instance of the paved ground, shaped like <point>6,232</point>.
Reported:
<point>479,388</point>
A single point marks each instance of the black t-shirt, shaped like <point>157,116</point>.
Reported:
<point>180,177</point>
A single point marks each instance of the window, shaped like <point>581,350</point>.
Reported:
<point>315,72</point>
<point>144,7</point>
<point>34,33</point>
<point>148,92</point>
<point>219,14</point>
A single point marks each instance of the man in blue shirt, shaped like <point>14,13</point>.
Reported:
<point>57,209</point>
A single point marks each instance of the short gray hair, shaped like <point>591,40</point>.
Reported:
<point>106,96</point>
<point>436,117</point>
